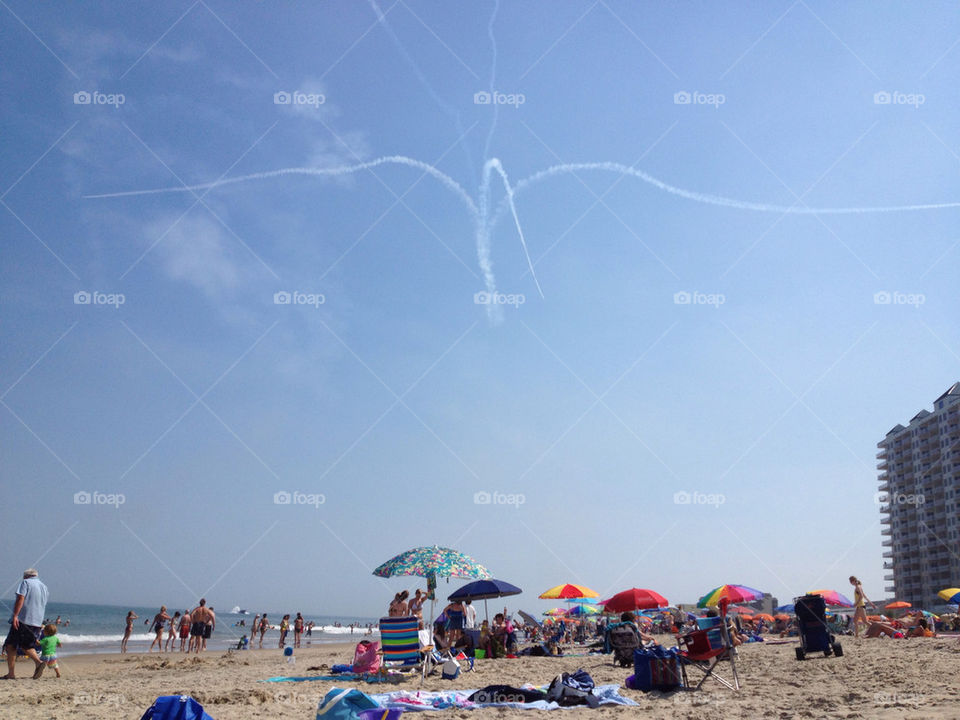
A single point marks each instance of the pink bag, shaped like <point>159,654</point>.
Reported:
<point>366,658</point>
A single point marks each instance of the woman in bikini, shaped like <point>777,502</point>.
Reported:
<point>264,624</point>
<point>859,603</point>
<point>415,606</point>
<point>297,630</point>
<point>131,616</point>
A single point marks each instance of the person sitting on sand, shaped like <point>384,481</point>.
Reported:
<point>128,631</point>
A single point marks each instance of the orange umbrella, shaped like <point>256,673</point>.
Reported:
<point>764,616</point>
<point>781,616</point>
<point>897,605</point>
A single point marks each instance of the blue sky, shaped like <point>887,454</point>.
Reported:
<point>383,386</point>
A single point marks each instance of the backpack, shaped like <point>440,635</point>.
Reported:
<point>366,658</point>
<point>175,707</point>
<point>624,639</point>
<point>344,704</point>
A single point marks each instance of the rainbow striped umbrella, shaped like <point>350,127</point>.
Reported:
<point>567,591</point>
<point>733,594</point>
<point>583,611</point>
<point>832,597</point>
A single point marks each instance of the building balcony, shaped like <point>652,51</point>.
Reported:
<point>888,566</point>
<point>887,532</point>
<point>888,554</point>
<point>887,543</point>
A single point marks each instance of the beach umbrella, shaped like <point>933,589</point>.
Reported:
<point>484,589</point>
<point>583,600</point>
<point>928,614</point>
<point>781,616</point>
<point>764,616</point>
<point>741,610</point>
<point>567,591</point>
<point>785,608</point>
<point>951,595</point>
<point>582,611</point>
<point>732,593</point>
<point>832,597</point>
<point>897,605</point>
<point>555,612</point>
<point>635,599</point>
<point>432,562</point>
<point>528,618</point>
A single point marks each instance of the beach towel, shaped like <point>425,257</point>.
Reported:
<point>412,701</point>
<point>175,707</point>
<point>346,704</point>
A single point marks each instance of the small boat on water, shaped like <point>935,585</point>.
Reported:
<point>238,611</point>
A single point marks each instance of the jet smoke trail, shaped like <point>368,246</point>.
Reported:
<point>707,198</point>
<point>328,172</point>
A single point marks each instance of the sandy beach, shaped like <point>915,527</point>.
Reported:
<point>913,678</point>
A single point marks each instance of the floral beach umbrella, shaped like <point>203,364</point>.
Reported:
<point>733,594</point>
<point>434,561</point>
<point>567,591</point>
<point>430,563</point>
<point>583,611</point>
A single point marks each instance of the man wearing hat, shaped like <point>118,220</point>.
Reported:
<point>26,622</point>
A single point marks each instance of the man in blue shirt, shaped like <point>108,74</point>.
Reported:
<point>26,622</point>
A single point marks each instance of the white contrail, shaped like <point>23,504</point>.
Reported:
<point>494,164</point>
<point>711,199</point>
<point>328,172</point>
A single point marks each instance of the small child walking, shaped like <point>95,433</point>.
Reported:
<point>48,648</point>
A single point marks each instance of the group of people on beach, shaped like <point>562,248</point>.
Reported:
<point>192,627</point>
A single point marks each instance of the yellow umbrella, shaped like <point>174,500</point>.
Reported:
<point>567,591</point>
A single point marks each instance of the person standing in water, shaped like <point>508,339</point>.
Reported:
<point>859,604</point>
<point>128,631</point>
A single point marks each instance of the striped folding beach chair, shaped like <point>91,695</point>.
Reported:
<point>400,643</point>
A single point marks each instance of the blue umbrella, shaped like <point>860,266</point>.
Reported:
<point>484,589</point>
<point>784,608</point>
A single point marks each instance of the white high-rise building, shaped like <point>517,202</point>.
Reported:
<point>919,498</point>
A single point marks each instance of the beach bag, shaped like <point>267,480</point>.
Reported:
<point>450,670</point>
<point>366,658</point>
<point>175,707</point>
<point>655,668</point>
<point>346,704</point>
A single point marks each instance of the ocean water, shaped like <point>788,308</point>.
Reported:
<point>99,628</point>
